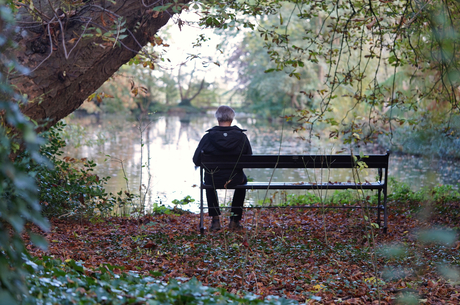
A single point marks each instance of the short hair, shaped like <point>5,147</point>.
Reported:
<point>225,114</point>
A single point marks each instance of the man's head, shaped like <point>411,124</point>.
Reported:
<point>225,114</point>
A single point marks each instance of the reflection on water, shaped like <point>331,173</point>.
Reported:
<point>163,164</point>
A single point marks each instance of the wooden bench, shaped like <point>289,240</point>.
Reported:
<point>380,162</point>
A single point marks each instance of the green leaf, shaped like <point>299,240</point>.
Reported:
<point>17,222</point>
<point>437,236</point>
<point>162,8</point>
<point>7,298</point>
<point>75,266</point>
<point>39,241</point>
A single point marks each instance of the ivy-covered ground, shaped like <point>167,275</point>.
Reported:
<point>323,257</point>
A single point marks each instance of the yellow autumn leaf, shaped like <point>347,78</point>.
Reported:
<point>91,96</point>
<point>319,287</point>
<point>373,280</point>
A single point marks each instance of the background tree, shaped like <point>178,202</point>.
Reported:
<point>281,90</point>
<point>137,87</point>
<point>169,88</point>
<point>364,48</point>
<point>360,47</point>
<point>188,92</point>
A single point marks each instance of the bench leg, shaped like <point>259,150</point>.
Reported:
<point>384,208</point>
<point>385,212</point>
<point>201,227</point>
<point>379,207</point>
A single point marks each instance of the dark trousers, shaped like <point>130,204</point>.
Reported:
<point>237,204</point>
<point>238,197</point>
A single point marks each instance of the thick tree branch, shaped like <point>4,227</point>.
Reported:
<point>60,80</point>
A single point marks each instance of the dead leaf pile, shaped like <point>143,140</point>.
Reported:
<point>302,254</point>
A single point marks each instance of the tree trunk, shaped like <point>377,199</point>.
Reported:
<point>67,65</point>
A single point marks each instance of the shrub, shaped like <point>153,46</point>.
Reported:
<point>70,187</point>
<point>69,282</point>
<point>18,191</point>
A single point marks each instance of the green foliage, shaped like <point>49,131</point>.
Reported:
<point>444,193</point>
<point>69,282</point>
<point>369,65</point>
<point>161,210</point>
<point>70,188</point>
<point>399,192</point>
<point>439,194</point>
<point>187,200</point>
<point>268,85</point>
<point>337,197</point>
<point>18,191</point>
<point>305,199</point>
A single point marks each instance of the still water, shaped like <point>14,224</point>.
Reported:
<point>155,156</point>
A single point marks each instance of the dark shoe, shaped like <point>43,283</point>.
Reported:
<point>215,224</point>
<point>235,225</point>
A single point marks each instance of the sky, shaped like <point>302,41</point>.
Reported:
<point>181,41</point>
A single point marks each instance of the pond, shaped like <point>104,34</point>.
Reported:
<point>158,160</point>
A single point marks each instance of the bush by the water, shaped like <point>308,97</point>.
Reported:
<point>397,191</point>
<point>71,188</point>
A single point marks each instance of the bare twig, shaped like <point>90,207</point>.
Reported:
<point>34,10</point>
<point>51,47</point>
<point>153,4</point>
<point>79,38</point>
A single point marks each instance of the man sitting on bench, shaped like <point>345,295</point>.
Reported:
<point>219,141</point>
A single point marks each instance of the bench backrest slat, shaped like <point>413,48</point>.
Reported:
<point>292,161</point>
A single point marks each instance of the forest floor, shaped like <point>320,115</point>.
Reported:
<point>324,257</point>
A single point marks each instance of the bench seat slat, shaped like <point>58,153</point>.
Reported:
<point>303,186</point>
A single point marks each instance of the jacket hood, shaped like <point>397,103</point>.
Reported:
<point>224,128</point>
<point>227,138</point>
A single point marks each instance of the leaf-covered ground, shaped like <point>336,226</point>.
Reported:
<point>303,254</point>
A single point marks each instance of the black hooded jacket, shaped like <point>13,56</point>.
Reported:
<point>223,140</point>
